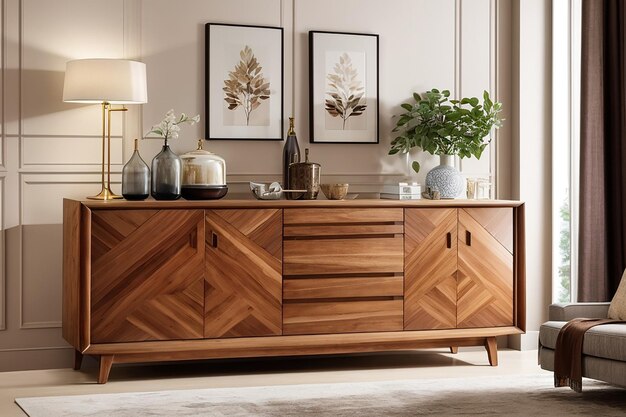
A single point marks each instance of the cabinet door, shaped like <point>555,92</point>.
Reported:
<point>243,273</point>
<point>147,278</point>
<point>430,269</point>
<point>485,290</point>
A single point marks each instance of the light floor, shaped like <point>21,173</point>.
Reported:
<point>435,363</point>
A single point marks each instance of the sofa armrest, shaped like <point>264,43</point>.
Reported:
<point>566,312</point>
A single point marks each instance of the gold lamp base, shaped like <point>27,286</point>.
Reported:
<point>105,194</point>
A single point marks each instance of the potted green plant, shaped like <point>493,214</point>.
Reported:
<point>448,128</point>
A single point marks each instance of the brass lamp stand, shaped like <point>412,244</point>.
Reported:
<point>106,193</point>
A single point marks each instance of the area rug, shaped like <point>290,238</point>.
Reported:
<point>531,395</point>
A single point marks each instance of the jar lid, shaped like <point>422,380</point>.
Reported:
<point>200,153</point>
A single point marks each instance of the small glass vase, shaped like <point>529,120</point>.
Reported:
<point>136,177</point>
<point>166,175</point>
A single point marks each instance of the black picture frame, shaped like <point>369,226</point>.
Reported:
<point>217,71</point>
<point>327,43</point>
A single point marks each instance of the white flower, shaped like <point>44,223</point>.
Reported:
<point>169,127</point>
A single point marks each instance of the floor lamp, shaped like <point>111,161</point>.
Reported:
<point>106,82</point>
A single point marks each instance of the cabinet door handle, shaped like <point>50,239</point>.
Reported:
<point>449,240</point>
<point>214,239</point>
<point>468,238</point>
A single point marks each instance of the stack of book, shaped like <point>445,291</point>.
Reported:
<point>402,191</point>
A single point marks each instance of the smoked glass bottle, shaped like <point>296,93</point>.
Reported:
<point>136,177</point>
<point>291,154</point>
<point>166,175</point>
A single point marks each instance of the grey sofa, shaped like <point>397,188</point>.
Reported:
<point>604,347</point>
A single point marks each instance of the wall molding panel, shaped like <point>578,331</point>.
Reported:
<point>3,289</point>
<point>67,153</point>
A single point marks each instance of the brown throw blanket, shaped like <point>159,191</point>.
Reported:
<point>568,354</point>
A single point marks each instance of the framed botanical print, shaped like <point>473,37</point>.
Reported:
<point>244,82</point>
<point>343,87</point>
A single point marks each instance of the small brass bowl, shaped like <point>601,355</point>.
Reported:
<point>335,191</point>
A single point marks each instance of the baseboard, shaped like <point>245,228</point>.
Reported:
<point>37,358</point>
<point>527,341</point>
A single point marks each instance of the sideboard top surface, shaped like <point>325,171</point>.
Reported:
<point>251,203</point>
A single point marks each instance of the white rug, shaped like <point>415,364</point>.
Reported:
<point>498,396</point>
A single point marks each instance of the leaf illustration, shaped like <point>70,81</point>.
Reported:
<point>344,91</point>
<point>246,86</point>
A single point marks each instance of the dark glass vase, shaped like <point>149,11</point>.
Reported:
<point>166,175</point>
<point>291,154</point>
<point>136,177</point>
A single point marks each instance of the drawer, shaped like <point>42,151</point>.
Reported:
<point>342,317</point>
<point>340,230</point>
<point>353,287</point>
<point>342,216</point>
<point>343,256</point>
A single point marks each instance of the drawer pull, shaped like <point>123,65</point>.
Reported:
<point>449,240</point>
<point>214,239</point>
<point>468,238</point>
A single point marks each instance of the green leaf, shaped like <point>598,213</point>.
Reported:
<point>406,106</point>
<point>416,166</point>
<point>417,97</point>
<point>393,151</point>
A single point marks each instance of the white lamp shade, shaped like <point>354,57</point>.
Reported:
<point>116,81</point>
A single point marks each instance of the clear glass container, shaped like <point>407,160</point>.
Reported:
<point>166,175</point>
<point>204,175</point>
<point>136,177</point>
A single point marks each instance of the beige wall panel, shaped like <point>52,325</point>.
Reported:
<point>173,50</point>
<point>53,33</point>
<point>47,358</point>
<point>2,168</point>
<point>475,76</point>
<point>64,152</point>
<point>2,264</point>
<point>42,194</point>
<point>416,53</point>
<point>29,341</point>
<point>534,153</point>
<point>11,84</point>
<point>41,276</point>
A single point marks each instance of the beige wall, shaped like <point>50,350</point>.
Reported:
<point>532,154</point>
<point>50,149</point>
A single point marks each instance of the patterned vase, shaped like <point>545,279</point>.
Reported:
<point>445,178</point>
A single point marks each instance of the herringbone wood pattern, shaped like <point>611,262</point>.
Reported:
<point>147,271</point>
<point>243,273</point>
<point>430,268</point>
<point>485,277</point>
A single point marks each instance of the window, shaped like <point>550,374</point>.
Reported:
<point>566,45</point>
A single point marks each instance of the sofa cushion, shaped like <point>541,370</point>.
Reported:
<point>604,341</point>
<point>617,309</point>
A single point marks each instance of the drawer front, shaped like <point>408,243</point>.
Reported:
<point>343,216</point>
<point>343,256</point>
<point>342,230</point>
<point>342,317</point>
<point>352,287</point>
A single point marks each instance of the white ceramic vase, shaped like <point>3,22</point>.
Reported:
<point>445,178</point>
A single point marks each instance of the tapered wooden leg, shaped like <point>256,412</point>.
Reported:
<point>106,361</point>
<point>492,350</point>
<point>454,349</point>
<point>78,360</point>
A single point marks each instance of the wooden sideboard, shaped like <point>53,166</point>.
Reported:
<point>161,281</point>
